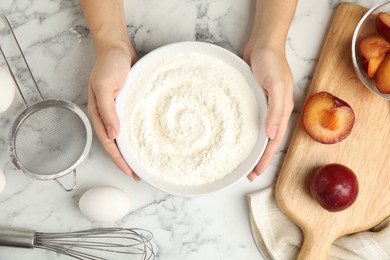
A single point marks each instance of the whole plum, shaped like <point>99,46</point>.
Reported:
<point>334,186</point>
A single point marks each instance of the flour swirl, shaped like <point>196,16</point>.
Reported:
<point>192,119</point>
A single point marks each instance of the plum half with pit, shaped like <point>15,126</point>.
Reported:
<point>327,119</point>
<point>334,186</point>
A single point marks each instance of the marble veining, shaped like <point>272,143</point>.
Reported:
<point>57,44</point>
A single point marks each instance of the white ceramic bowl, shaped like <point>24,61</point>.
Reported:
<point>192,190</point>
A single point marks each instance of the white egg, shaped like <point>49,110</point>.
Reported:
<point>104,204</point>
<point>7,90</point>
<point>2,181</point>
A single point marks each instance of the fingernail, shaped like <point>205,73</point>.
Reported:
<point>111,132</point>
<point>272,132</point>
<point>251,176</point>
<point>136,177</point>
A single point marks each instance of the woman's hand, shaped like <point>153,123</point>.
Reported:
<point>265,52</point>
<point>273,74</point>
<point>107,79</point>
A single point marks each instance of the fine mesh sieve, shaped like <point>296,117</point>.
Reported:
<point>50,138</point>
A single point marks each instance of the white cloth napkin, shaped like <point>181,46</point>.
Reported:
<point>279,238</point>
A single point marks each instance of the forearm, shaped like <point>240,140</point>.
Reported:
<point>106,21</point>
<point>271,24</point>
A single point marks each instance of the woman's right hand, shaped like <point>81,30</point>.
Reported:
<point>108,76</point>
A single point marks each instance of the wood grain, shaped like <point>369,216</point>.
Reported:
<point>366,150</point>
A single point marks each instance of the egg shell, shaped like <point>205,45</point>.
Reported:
<point>104,204</point>
<point>2,181</point>
<point>7,90</point>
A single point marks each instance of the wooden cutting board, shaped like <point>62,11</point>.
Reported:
<point>366,150</point>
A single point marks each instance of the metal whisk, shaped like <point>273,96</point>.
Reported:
<point>93,244</point>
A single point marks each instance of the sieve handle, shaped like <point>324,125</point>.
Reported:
<point>73,184</point>
<point>13,237</point>
<point>8,24</point>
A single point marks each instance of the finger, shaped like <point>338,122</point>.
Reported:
<point>273,146</point>
<point>109,145</point>
<point>105,102</point>
<point>265,161</point>
<point>112,149</point>
<point>279,103</point>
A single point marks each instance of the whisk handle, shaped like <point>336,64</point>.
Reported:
<point>17,237</point>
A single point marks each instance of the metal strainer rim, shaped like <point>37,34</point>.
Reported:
<point>39,106</point>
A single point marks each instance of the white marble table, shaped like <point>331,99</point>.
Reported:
<point>58,46</point>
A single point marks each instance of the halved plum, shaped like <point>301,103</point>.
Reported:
<point>327,119</point>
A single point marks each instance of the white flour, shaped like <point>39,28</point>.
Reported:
<point>192,119</point>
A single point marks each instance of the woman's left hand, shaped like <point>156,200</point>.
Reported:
<point>273,74</point>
